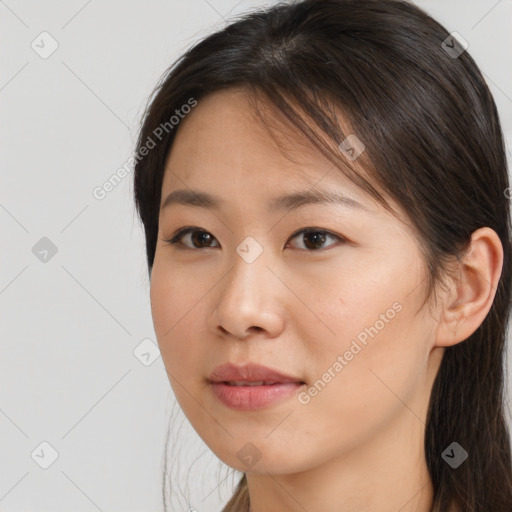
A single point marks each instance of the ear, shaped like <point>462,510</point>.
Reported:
<point>470,298</point>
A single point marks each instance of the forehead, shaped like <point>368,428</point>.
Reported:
<point>224,141</point>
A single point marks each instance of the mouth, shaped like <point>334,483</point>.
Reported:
<point>252,386</point>
<point>257,383</point>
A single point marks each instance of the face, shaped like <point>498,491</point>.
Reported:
<point>335,306</point>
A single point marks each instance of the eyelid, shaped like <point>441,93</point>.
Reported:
<point>180,233</point>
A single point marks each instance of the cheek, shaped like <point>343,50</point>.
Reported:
<point>378,352</point>
<point>375,378</point>
<point>362,399</point>
<point>174,306</point>
<point>172,297</point>
<point>180,345</point>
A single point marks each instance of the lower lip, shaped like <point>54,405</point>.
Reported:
<point>248,398</point>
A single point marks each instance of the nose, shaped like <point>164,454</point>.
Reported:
<point>248,300</point>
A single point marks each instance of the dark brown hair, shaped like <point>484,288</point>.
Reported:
<point>433,143</point>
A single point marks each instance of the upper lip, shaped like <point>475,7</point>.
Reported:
<point>230,372</point>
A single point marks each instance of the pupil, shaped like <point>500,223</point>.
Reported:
<point>197,236</point>
<point>320,238</point>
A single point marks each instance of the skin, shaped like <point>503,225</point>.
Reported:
<point>358,444</point>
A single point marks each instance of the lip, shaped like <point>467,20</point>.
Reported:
<point>250,372</point>
<point>247,398</point>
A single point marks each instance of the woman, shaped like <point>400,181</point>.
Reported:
<point>323,189</point>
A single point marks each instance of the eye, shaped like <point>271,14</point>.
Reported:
<point>198,236</point>
<point>315,238</point>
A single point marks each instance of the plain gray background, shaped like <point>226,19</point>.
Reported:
<point>74,292</point>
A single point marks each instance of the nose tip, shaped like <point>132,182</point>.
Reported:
<point>244,305</point>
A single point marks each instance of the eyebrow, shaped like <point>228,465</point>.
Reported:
<point>292,201</point>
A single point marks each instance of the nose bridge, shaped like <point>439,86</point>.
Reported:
<point>248,272</point>
<point>247,297</point>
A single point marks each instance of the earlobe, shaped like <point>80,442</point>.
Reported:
<point>471,295</point>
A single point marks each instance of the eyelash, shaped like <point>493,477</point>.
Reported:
<point>185,231</point>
